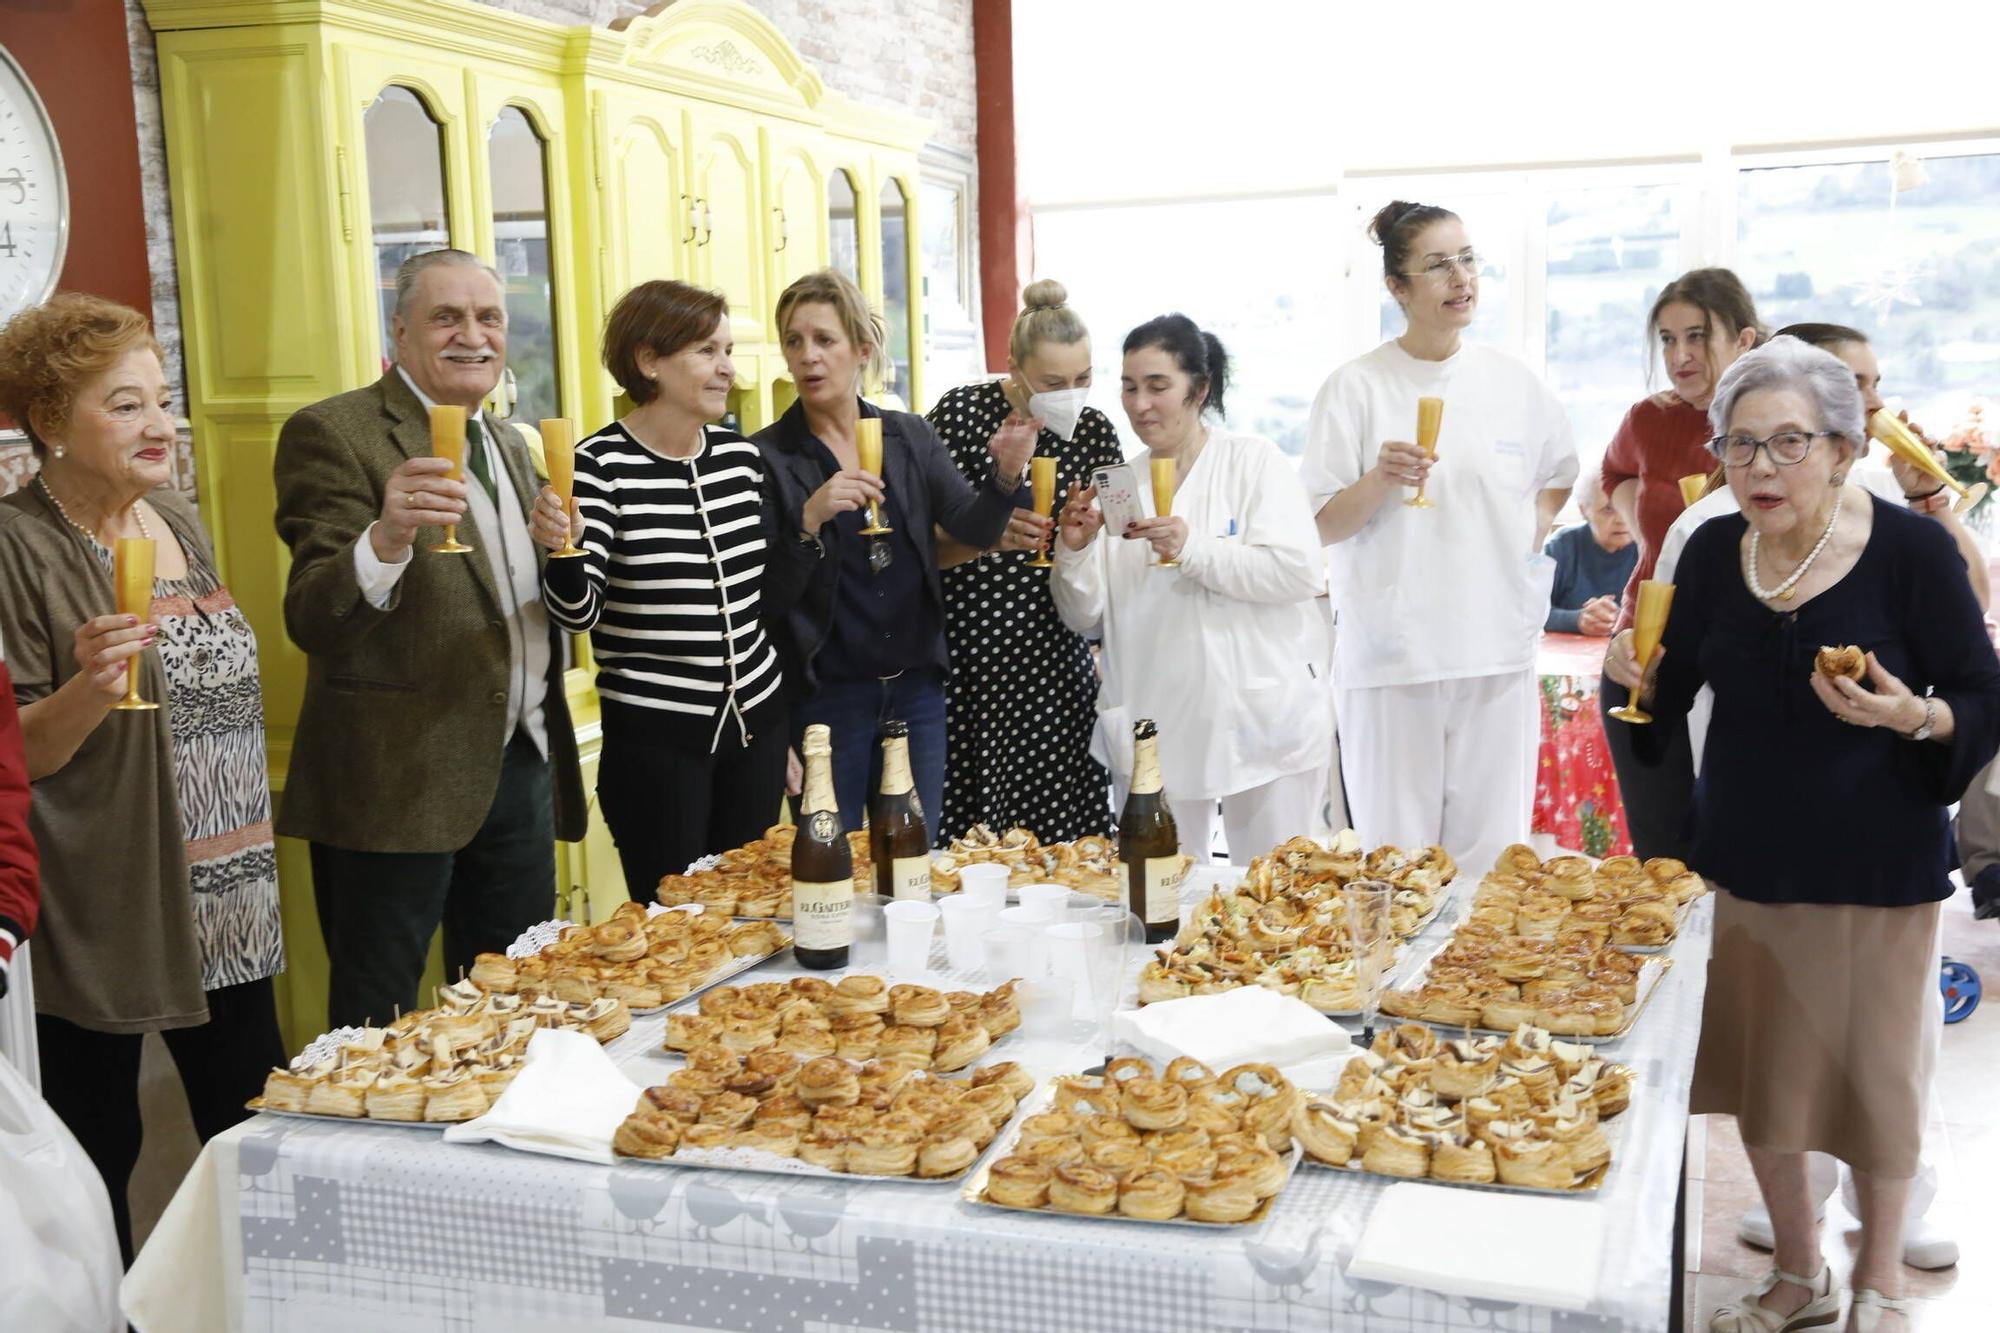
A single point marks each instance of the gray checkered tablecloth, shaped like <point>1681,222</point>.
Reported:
<point>290,1224</point>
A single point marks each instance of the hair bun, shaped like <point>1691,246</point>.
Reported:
<point>1387,217</point>
<point>1044,294</point>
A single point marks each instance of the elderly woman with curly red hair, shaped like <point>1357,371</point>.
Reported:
<point>171,926</point>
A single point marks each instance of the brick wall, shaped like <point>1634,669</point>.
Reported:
<point>913,55</point>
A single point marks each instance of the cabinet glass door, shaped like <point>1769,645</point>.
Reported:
<point>896,287</point>
<point>518,157</point>
<point>406,209</point>
<point>843,226</point>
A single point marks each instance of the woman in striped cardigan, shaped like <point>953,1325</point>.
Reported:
<point>685,564</point>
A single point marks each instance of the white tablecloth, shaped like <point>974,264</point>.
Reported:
<point>298,1225</point>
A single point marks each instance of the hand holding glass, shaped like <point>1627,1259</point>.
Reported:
<point>132,571</point>
<point>1649,622</point>
<point>448,443</point>
<point>1043,471</point>
<point>1165,475</point>
<point>559,453</point>
<point>1430,416</point>
<point>868,453</point>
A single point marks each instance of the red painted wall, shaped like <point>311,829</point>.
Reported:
<point>76,54</point>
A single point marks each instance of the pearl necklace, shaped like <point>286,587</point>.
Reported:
<point>1783,592</point>
<point>137,513</point>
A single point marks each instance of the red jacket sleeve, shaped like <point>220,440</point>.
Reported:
<point>1621,459</point>
<point>20,867</point>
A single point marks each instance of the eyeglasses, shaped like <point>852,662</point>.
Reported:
<point>1441,267</point>
<point>1785,448</point>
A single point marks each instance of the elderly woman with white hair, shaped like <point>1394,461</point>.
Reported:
<point>1812,1032</point>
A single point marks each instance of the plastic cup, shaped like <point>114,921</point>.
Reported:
<point>1069,947</point>
<point>911,927</point>
<point>1051,901</point>
<point>964,922</point>
<point>1013,952</point>
<point>1034,918</point>
<point>985,885</point>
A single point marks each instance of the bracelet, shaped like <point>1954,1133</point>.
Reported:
<point>1927,495</point>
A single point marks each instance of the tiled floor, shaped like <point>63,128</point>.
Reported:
<point>1966,1297</point>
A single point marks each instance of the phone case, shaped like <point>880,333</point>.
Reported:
<point>1118,496</point>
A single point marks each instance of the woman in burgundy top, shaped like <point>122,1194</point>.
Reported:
<point>1702,321</point>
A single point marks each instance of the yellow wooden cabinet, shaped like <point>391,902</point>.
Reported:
<point>313,143</point>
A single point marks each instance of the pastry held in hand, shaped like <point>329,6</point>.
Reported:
<point>1848,661</point>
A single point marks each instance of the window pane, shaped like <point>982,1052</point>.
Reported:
<point>896,286</point>
<point>521,249</point>
<point>1257,273</point>
<point>1917,271</point>
<point>843,231</point>
<point>951,340</point>
<point>1610,251</point>
<point>943,246</point>
<point>405,190</point>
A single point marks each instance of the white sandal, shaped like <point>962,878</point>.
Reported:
<point>1747,1316</point>
<point>1870,1304</point>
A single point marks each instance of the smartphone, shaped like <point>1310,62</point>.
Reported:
<point>1118,496</point>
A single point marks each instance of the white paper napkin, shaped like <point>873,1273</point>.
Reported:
<point>1502,1247</point>
<point>1243,1026</point>
<point>567,1101</point>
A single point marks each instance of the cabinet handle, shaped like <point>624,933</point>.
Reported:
<point>707,222</point>
<point>344,182</point>
<point>693,227</point>
<point>784,231</point>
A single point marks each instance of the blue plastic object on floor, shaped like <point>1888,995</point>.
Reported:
<point>1960,985</point>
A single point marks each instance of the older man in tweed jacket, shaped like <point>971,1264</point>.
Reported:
<point>434,763</point>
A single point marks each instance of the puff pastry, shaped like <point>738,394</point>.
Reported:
<point>1219,1198</point>
<point>286,1091</point>
<point>882,1152</point>
<point>1151,1103</point>
<point>1320,1129</point>
<point>651,1136</point>
<point>828,1082</point>
<point>946,1155</point>
<point>1078,1187</point>
<point>1463,1163</point>
<point>1150,1193</point>
<point>1019,1182</point>
<point>1008,1074</point>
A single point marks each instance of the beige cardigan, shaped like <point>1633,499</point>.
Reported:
<point>116,949</point>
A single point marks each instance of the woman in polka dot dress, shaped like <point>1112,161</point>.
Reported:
<point>1022,696</point>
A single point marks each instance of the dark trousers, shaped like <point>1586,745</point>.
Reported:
<point>668,804</point>
<point>1658,799</point>
<point>91,1079</point>
<point>854,711</point>
<point>378,910</point>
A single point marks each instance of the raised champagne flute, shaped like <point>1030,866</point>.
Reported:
<point>1165,474</point>
<point>1430,416</point>
<point>1904,443</point>
<point>559,452</point>
<point>132,570</point>
<point>1693,486</point>
<point>448,443</point>
<point>1043,471</point>
<point>1366,904</point>
<point>1649,622</point>
<point>868,452</point>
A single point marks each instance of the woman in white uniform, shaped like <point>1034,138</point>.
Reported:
<point>1438,611</point>
<point>1226,650</point>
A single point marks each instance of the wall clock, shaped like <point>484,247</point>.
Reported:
<point>34,196</point>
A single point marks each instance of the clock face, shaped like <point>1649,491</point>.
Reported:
<point>34,198</point>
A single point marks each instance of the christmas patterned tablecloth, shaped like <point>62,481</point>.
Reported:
<point>1576,789</point>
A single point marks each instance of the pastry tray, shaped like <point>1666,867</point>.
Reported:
<point>1615,1133</point>
<point>257,1104</point>
<point>735,968</point>
<point>974,1190</point>
<point>1651,973</point>
<point>756,1161</point>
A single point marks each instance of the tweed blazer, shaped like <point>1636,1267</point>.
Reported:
<point>400,738</point>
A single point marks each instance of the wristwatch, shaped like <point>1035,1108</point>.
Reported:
<point>1923,732</point>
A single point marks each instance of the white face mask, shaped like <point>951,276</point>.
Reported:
<point>1059,410</point>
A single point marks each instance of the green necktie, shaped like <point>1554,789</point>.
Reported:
<point>475,458</point>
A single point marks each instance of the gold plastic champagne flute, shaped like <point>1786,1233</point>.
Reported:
<point>448,442</point>
<point>1165,474</point>
<point>1430,416</point>
<point>1649,622</point>
<point>868,452</point>
<point>559,452</point>
<point>1693,486</point>
<point>132,571</point>
<point>1043,471</point>
<point>1903,442</point>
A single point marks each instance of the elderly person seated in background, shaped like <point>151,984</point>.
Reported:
<point>159,878</point>
<point>1593,560</point>
<point>1812,1031</point>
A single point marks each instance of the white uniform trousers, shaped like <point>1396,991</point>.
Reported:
<point>1450,762</point>
<point>1254,821</point>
